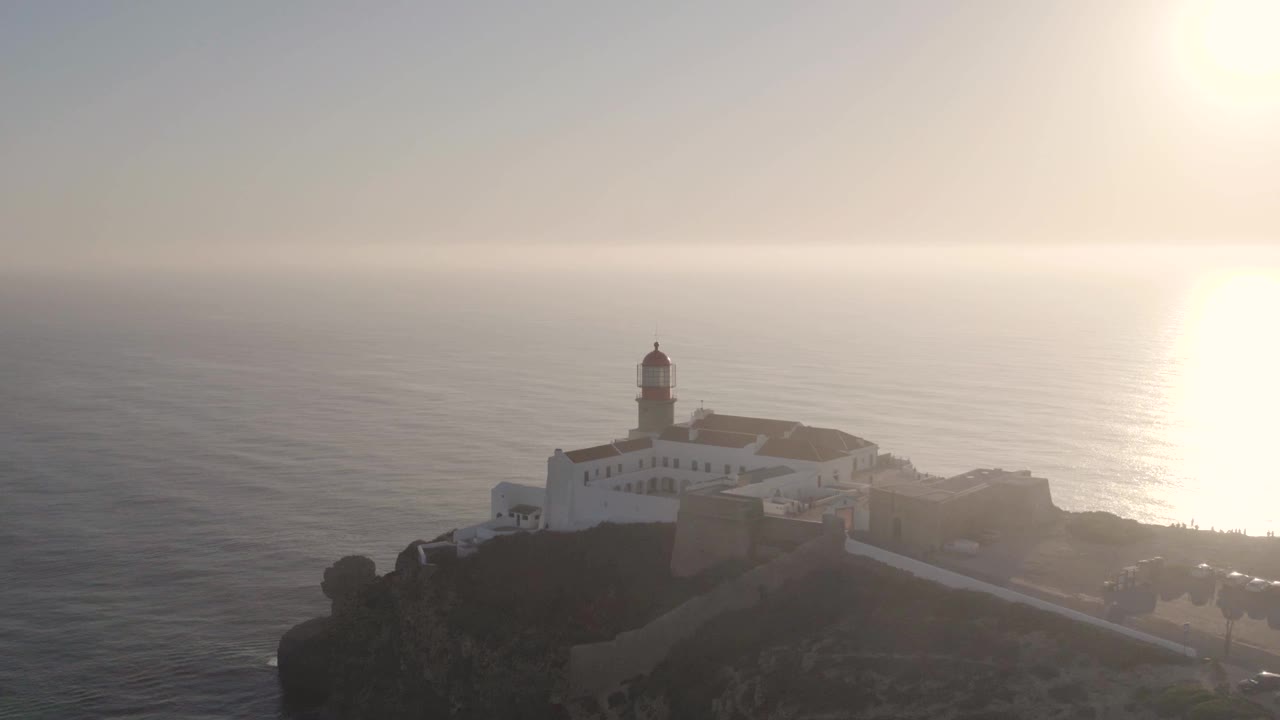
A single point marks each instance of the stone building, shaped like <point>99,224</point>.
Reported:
<point>922,517</point>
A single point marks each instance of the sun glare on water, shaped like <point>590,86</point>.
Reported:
<point>1231,399</point>
<point>1231,49</point>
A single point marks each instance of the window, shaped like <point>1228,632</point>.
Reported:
<point>706,466</point>
<point>619,468</point>
<point>726,468</point>
<point>640,465</point>
<point>628,487</point>
<point>665,461</point>
<point>742,469</point>
<point>608,471</point>
<point>586,477</point>
<point>597,472</point>
<point>676,464</point>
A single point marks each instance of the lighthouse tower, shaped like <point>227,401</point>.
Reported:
<point>656,378</point>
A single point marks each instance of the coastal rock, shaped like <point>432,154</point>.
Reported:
<point>303,660</point>
<point>344,580</point>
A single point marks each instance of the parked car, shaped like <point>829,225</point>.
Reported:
<point>1257,585</point>
<point>1202,571</point>
<point>1262,682</point>
<point>1236,579</point>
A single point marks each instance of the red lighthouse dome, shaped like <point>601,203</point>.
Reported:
<point>657,358</point>
<point>656,376</point>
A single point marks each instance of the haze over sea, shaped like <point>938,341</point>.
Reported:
<point>181,455</point>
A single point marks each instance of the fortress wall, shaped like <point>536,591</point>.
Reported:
<point>786,532</point>
<point>599,668</point>
<point>709,542</point>
<point>964,582</point>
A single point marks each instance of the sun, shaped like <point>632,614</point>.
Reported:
<point>1231,48</point>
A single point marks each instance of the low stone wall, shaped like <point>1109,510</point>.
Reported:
<point>598,668</point>
<point>787,532</point>
<point>948,578</point>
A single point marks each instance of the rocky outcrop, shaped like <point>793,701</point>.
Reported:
<point>345,579</point>
<point>303,659</point>
<point>308,651</point>
<point>485,636</point>
<point>489,636</point>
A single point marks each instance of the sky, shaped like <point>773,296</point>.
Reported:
<point>265,130</point>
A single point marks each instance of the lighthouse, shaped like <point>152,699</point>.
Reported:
<point>656,378</point>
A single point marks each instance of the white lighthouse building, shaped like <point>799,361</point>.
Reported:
<point>641,478</point>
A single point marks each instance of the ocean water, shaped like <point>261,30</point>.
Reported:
<point>182,455</point>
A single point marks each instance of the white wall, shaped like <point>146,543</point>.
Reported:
<point>714,454</point>
<point>563,477</point>
<point>592,506</point>
<point>926,571</point>
<point>506,495</point>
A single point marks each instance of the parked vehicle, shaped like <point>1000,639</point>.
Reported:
<point>1202,571</point>
<point>1262,682</point>
<point>1257,585</point>
<point>1236,580</point>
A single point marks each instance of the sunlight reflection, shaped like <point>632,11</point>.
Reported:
<point>1231,397</point>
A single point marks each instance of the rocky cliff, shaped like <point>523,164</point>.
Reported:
<point>485,636</point>
<point>488,636</point>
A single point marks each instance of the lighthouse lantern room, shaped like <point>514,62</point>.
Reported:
<point>656,378</point>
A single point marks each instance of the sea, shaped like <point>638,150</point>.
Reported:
<point>183,452</point>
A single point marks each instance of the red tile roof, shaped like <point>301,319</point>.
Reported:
<point>829,438</point>
<point>720,438</point>
<point>599,452</point>
<point>798,450</point>
<point>746,425</point>
<point>627,446</point>
<point>678,433</point>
